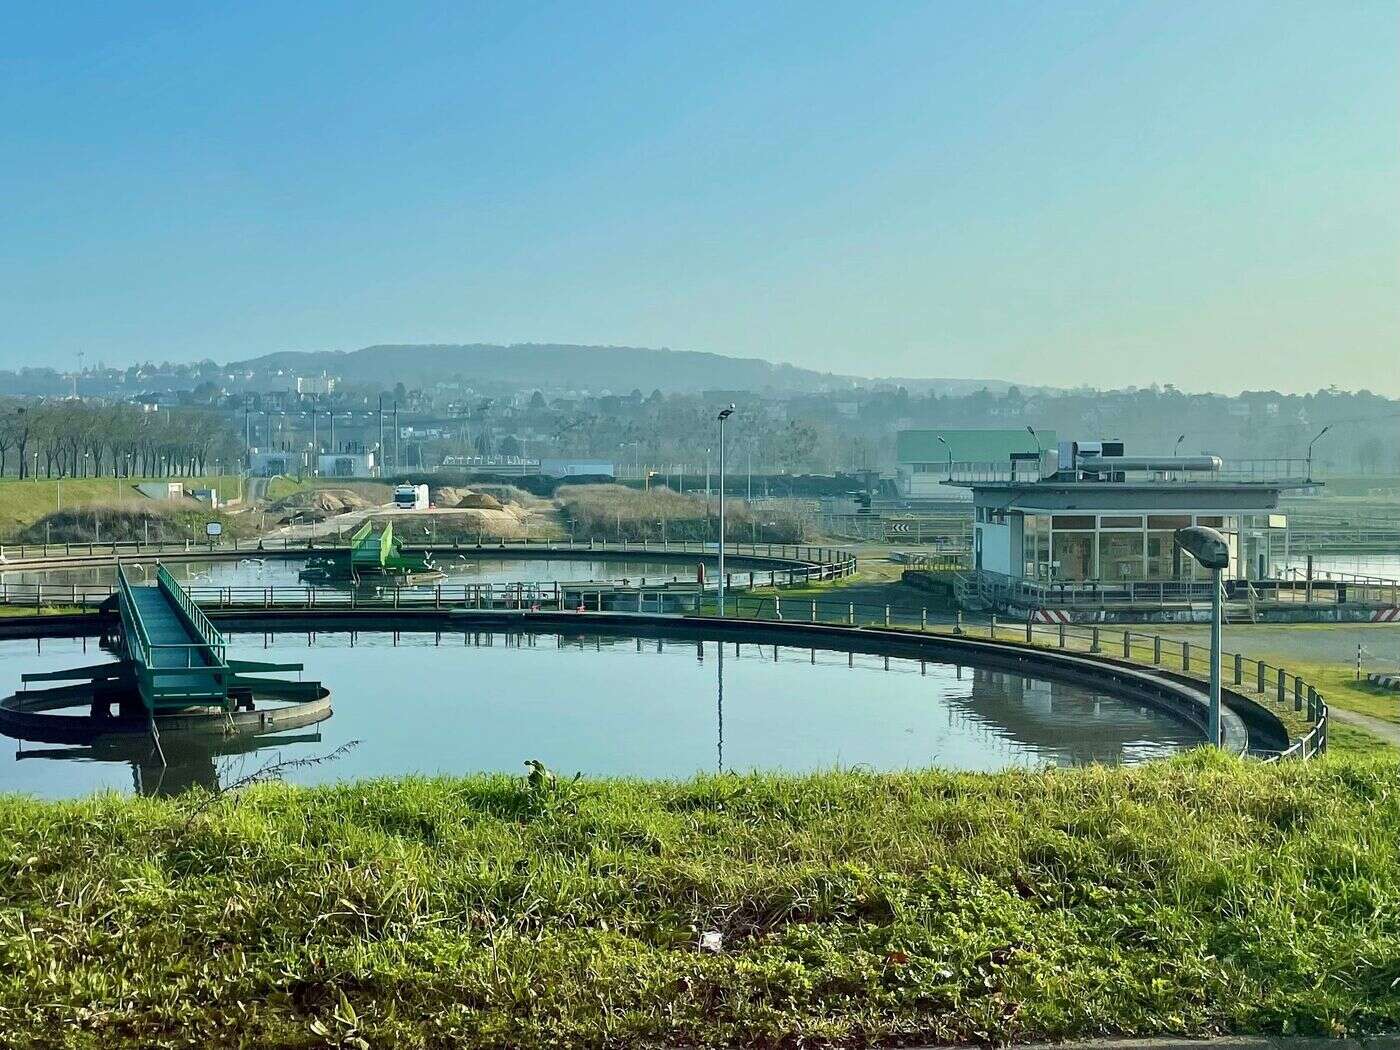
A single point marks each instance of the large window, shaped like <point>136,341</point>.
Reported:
<point>1035,546</point>
<point>1114,548</point>
<point>1121,555</point>
<point>1073,555</point>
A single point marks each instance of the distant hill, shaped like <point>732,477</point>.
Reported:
<point>616,368</point>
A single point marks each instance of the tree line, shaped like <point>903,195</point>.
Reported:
<point>79,439</point>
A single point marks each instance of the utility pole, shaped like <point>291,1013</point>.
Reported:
<point>381,435</point>
<point>315,449</point>
<point>397,466</point>
<point>724,414</point>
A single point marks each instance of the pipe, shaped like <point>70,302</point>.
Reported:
<point>1106,464</point>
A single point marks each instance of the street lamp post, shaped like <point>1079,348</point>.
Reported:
<point>950,455</point>
<point>1313,442</point>
<point>724,414</point>
<point>1212,551</point>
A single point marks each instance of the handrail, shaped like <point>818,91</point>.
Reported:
<point>210,635</point>
<point>1271,686</point>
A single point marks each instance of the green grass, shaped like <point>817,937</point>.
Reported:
<point>1199,895</point>
<point>1338,682</point>
<point>22,503</point>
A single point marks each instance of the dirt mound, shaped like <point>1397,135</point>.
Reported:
<point>323,501</point>
<point>452,497</point>
<point>446,495</point>
<point>512,496</point>
<point>479,501</point>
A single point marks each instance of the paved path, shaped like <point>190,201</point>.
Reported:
<point>1387,731</point>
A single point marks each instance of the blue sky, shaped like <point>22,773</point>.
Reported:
<point>1206,194</point>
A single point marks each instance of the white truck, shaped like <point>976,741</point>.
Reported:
<point>411,497</point>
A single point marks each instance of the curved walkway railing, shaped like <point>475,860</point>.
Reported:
<point>801,564</point>
<point>18,557</point>
<point>1297,703</point>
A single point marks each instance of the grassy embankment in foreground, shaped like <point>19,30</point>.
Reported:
<point>1197,895</point>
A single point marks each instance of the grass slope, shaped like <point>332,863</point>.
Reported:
<point>23,503</point>
<point>1198,895</point>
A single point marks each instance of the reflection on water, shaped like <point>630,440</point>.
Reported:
<point>192,760</point>
<point>283,572</point>
<point>480,701</point>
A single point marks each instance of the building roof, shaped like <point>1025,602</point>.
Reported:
<point>967,444</point>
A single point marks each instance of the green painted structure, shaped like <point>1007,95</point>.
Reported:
<point>370,553</point>
<point>170,657</point>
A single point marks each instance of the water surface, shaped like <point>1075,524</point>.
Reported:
<point>467,702</point>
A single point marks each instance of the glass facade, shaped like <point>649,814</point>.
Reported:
<point>1118,547</point>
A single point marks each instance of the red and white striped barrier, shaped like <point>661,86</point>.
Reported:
<point>1386,616</point>
<point>1051,616</point>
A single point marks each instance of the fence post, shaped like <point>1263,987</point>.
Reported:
<point>887,615</point>
<point>1030,630</point>
<point>1297,694</point>
<point>1094,646</point>
<point>1157,649</point>
<point>1127,645</point>
<point>814,610</point>
<point>778,606</point>
<point>994,625</point>
<point>923,619</point>
<point>1062,634</point>
<point>1239,669</point>
<point>851,613</point>
<point>1186,656</point>
<point>957,627</point>
<point>1282,687</point>
<point>1260,666</point>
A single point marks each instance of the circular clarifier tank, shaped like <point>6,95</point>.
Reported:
<point>612,704</point>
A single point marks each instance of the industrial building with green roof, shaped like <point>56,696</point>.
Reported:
<point>923,456</point>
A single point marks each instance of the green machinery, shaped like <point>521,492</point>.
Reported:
<point>171,661</point>
<point>370,554</point>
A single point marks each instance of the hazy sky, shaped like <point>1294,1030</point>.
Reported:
<point>1199,193</point>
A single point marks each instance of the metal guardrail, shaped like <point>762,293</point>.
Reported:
<point>1341,586</point>
<point>199,668</point>
<point>1293,698</point>
<point>187,605</point>
<point>817,564</point>
<point>12,554</point>
<point>1272,685</point>
<point>999,590</point>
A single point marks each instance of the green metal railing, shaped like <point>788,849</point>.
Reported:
<point>171,673</point>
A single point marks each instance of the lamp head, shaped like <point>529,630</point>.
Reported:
<point>725,413</point>
<point>1206,545</point>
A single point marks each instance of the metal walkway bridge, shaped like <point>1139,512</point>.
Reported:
<point>170,661</point>
<point>177,656</point>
